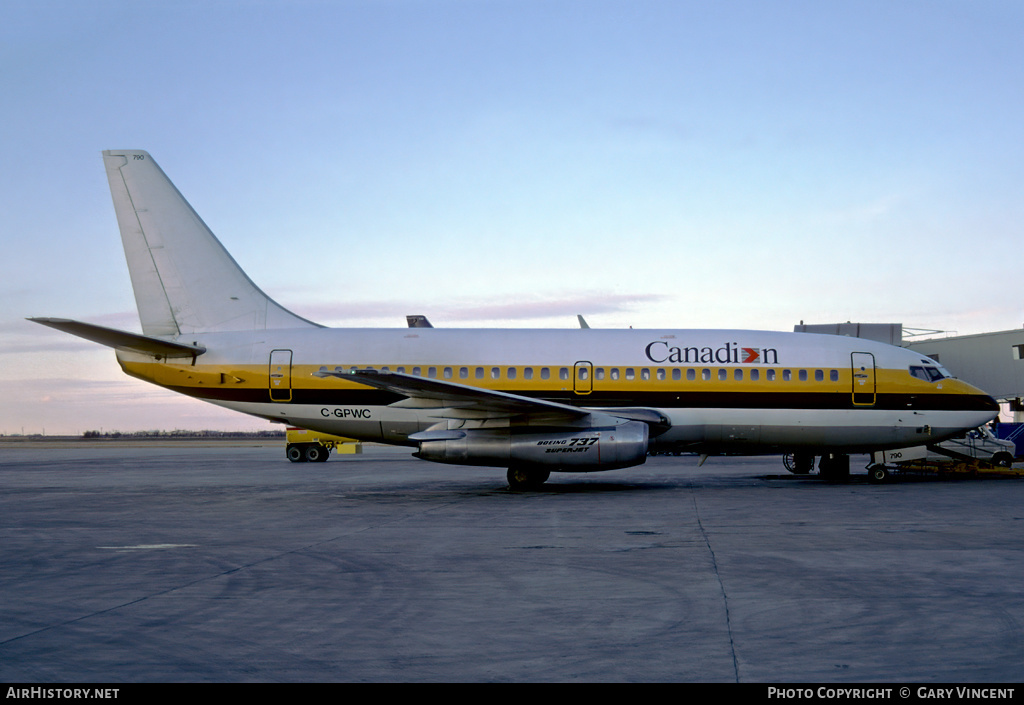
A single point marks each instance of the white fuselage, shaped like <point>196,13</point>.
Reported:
<point>721,390</point>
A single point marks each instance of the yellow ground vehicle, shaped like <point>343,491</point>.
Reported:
<point>314,447</point>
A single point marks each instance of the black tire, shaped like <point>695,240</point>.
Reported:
<point>1002,459</point>
<point>315,453</point>
<point>526,478</point>
<point>878,474</point>
<point>294,453</point>
<point>834,468</point>
<point>798,463</point>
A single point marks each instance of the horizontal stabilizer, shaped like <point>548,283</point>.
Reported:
<point>122,340</point>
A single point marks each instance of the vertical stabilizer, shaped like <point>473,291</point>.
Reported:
<point>184,280</point>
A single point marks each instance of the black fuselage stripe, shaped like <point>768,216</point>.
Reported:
<point>661,400</point>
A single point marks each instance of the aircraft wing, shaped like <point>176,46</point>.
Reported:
<point>424,393</point>
<point>463,401</point>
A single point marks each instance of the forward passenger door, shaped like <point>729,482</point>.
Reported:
<point>863,365</point>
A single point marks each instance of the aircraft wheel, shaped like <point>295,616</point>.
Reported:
<point>798,463</point>
<point>834,467</point>
<point>1002,460</point>
<point>524,478</point>
<point>316,453</point>
<point>295,454</point>
<point>878,474</point>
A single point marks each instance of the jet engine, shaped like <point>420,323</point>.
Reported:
<point>583,450</point>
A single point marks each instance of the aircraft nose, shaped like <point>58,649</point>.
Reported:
<point>985,400</point>
<point>973,399</point>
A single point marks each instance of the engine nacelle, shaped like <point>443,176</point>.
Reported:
<point>582,450</point>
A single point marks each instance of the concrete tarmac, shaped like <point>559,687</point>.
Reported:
<point>203,563</point>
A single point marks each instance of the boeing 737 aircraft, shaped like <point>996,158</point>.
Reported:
<point>532,401</point>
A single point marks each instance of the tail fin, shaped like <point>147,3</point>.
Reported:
<point>184,279</point>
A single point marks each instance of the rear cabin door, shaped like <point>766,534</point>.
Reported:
<point>863,378</point>
<point>280,375</point>
<point>583,377</point>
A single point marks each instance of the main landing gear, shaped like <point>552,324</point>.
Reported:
<point>524,477</point>
<point>798,463</point>
<point>833,467</point>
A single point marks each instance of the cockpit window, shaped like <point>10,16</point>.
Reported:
<point>926,372</point>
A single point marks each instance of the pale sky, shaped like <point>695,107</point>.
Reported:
<point>511,163</point>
